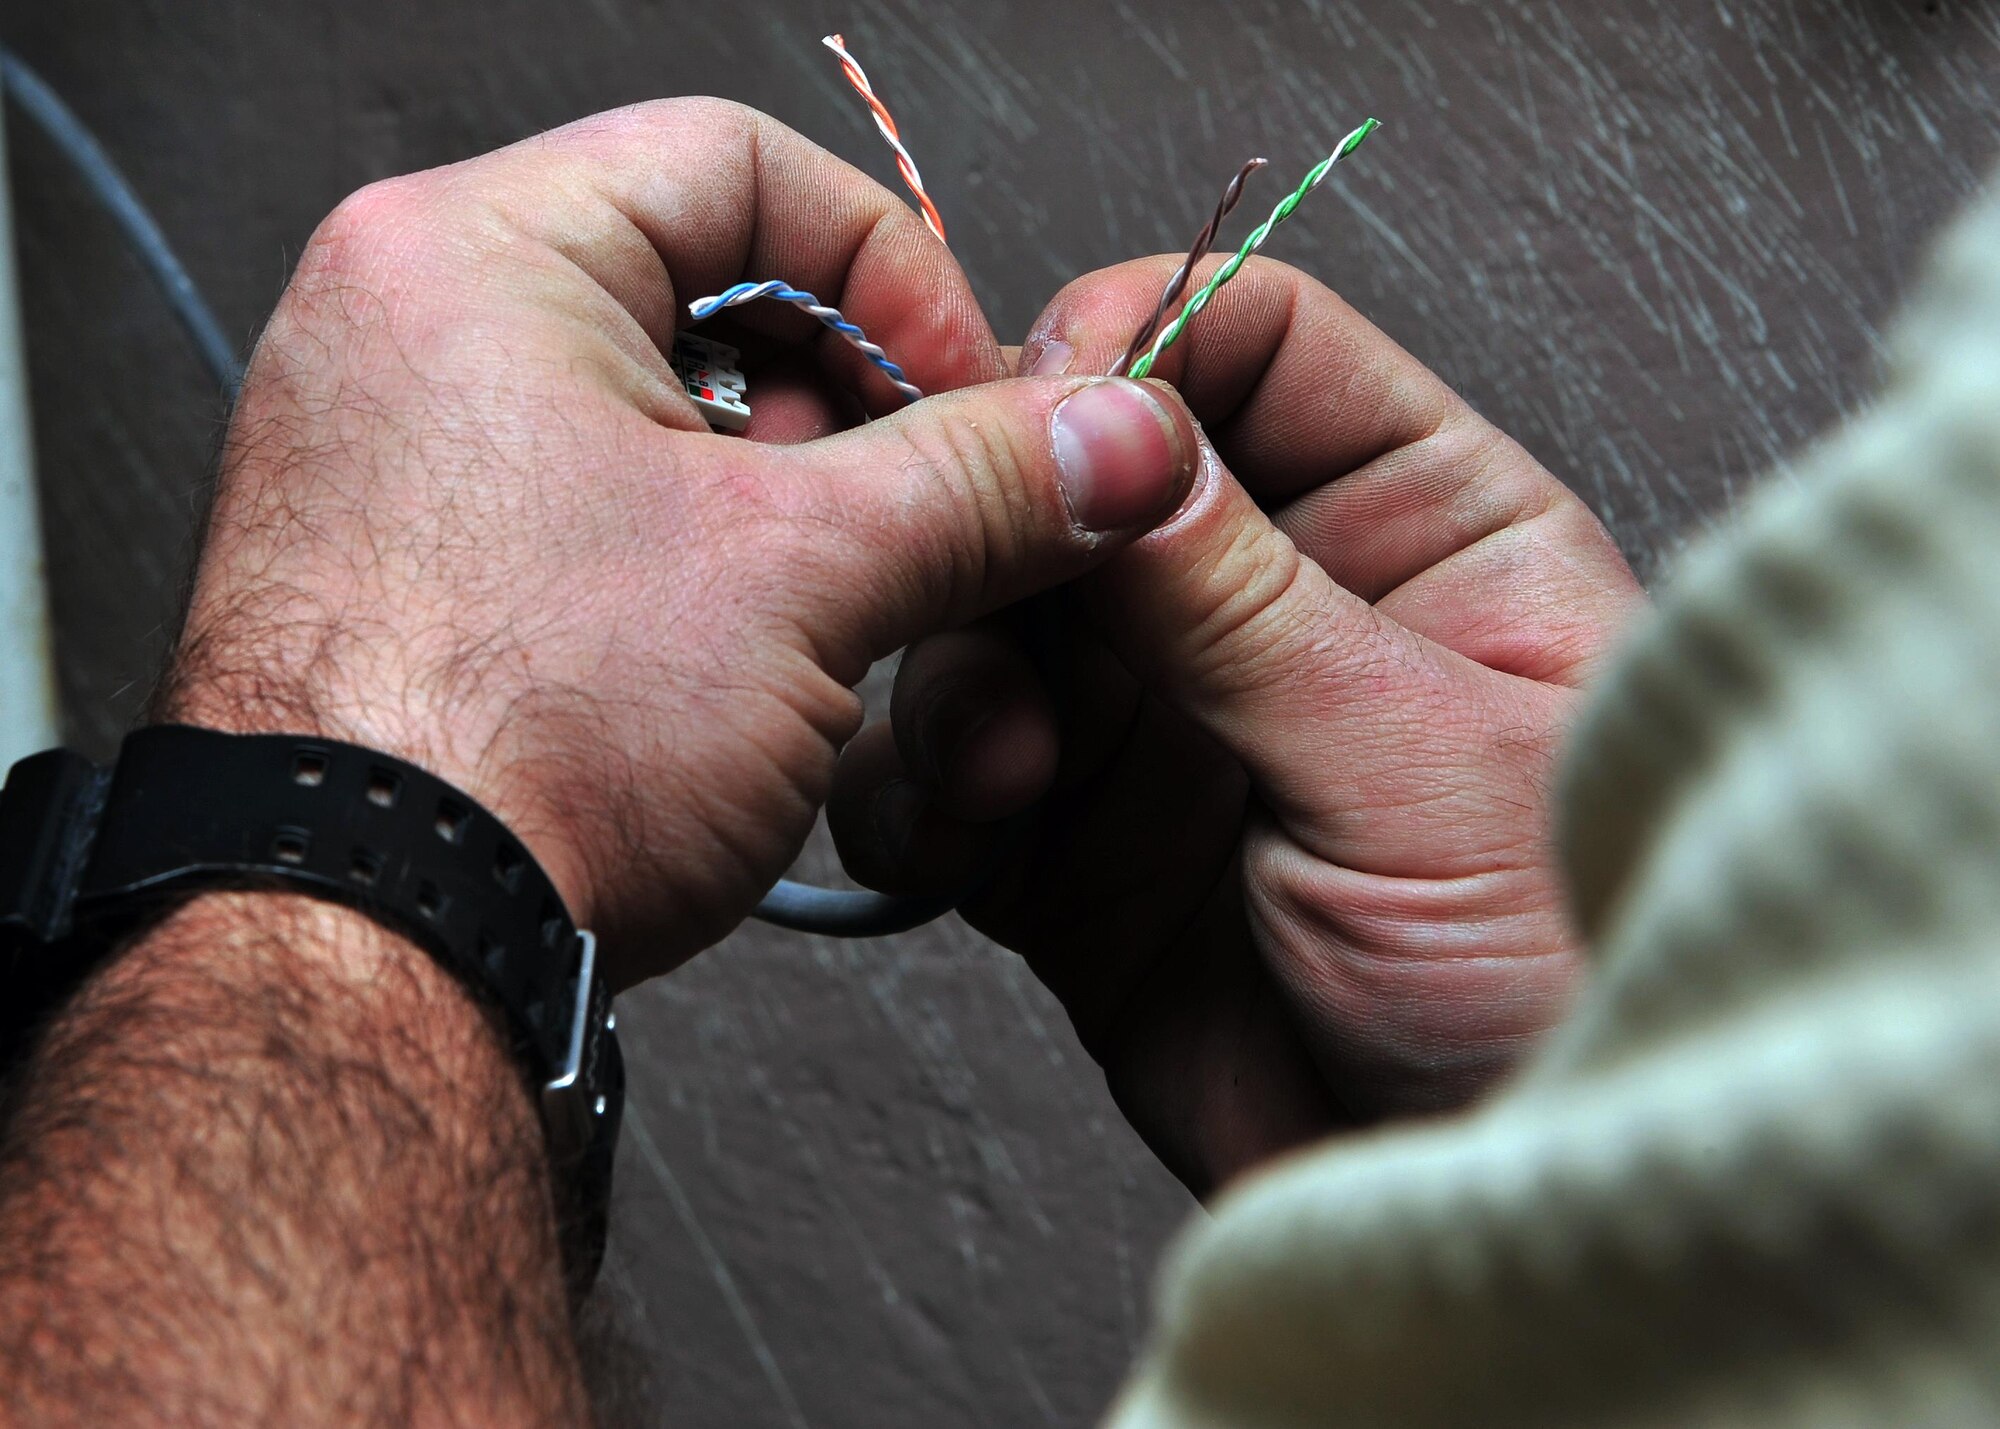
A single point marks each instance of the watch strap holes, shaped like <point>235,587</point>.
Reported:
<point>508,862</point>
<point>290,846</point>
<point>384,787</point>
<point>452,818</point>
<point>365,866</point>
<point>309,767</point>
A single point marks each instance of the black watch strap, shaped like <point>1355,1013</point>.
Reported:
<point>87,854</point>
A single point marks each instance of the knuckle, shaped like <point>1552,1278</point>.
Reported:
<point>677,119</point>
<point>346,280</point>
<point>352,240</point>
<point>1252,620</point>
<point>703,109</point>
<point>1495,484</point>
<point>1286,278</point>
<point>1273,628</point>
<point>1109,299</point>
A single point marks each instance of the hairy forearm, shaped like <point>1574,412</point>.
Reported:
<point>272,1163</point>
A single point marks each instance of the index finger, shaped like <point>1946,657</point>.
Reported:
<point>665,202</point>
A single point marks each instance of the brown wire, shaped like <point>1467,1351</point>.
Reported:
<point>1178,284</point>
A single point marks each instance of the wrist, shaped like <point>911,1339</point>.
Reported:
<point>226,967</point>
<point>373,701</point>
<point>347,1163</point>
<point>272,991</point>
<point>186,811</point>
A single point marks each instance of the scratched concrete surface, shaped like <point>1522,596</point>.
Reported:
<point>878,1184</point>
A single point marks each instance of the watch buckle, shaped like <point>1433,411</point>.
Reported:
<point>577,1098</point>
<point>48,810</point>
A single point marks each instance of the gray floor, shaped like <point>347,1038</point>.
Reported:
<point>877,1184</point>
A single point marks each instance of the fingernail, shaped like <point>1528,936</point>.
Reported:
<point>1053,360</point>
<point>897,808</point>
<point>1124,459</point>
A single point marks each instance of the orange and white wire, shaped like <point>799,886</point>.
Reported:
<point>907,166</point>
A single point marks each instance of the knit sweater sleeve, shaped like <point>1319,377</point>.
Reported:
<point>1755,1178</point>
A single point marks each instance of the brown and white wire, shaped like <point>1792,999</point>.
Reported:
<point>1178,284</point>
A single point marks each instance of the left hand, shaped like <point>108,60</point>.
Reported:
<point>467,515</point>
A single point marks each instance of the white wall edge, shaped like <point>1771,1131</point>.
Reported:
<point>28,706</point>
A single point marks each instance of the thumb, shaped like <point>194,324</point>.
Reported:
<point>1355,730</point>
<point>972,500</point>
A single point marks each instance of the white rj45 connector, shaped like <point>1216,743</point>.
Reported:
<point>710,377</point>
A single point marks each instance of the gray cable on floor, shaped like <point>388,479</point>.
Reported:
<point>837,912</point>
<point>78,145</point>
<point>846,913</point>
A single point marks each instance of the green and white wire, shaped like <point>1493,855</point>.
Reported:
<point>1171,333</point>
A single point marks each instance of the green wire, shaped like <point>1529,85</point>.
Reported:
<point>1283,211</point>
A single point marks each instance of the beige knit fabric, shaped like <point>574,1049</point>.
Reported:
<point>1755,1179</point>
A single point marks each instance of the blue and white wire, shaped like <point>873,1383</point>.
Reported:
<point>113,194</point>
<point>785,293</point>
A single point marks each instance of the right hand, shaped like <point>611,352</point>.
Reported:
<point>1268,794</point>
